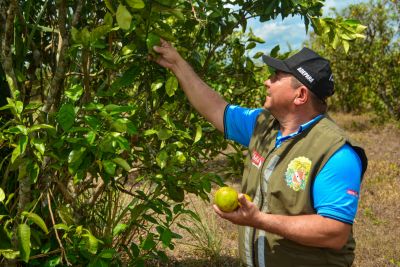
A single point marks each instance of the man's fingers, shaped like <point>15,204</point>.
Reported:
<point>164,43</point>
<point>158,49</point>
<point>243,201</point>
<point>217,210</point>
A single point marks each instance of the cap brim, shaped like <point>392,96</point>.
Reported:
<point>277,64</point>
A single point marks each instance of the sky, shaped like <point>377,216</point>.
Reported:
<point>291,31</point>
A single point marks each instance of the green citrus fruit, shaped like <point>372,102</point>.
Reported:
<point>151,41</point>
<point>226,198</point>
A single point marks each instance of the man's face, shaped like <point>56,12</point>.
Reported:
<point>280,94</point>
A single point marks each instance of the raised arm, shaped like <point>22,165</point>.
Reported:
<point>204,99</point>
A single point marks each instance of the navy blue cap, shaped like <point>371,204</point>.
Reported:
<point>309,68</point>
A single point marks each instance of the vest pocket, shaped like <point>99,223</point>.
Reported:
<point>283,200</point>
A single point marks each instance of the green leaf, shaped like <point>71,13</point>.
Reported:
<point>75,159</point>
<point>61,226</point>
<point>120,228</point>
<point>109,6</point>
<point>121,162</point>
<point>9,253</point>
<point>92,243</point>
<point>8,106</point>
<point>19,129</point>
<point>74,92</point>
<point>124,18</point>
<point>23,141</point>
<point>180,156</point>
<point>137,4</point>
<point>33,106</point>
<point>156,85</point>
<point>66,116</point>
<point>175,193</point>
<point>91,137</point>
<point>171,86</point>
<point>2,195</point>
<point>109,166</point>
<point>93,121</point>
<point>39,127</point>
<point>85,36</point>
<point>166,237</point>
<point>151,41</point>
<point>20,149</point>
<point>107,253</point>
<point>33,217</point>
<point>39,145</point>
<point>108,19</point>
<point>24,241</point>
<point>199,133</point>
<point>275,51</point>
<point>33,171</point>
<point>162,158</point>
<point>127,78</point>
<point>124,125</point>
<point>149,242</point>
<point>128,49</point>
<point>19,107</point>
<point>346,46</point>
<point>150,132</point>
<point>251,45</point>
<point>97,34</point>
<point>336,41</point>
<point>256,39</point>
<point>164,134</point>
<point>258,54</point>
<point>116,109</point>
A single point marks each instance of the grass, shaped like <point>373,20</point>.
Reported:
<point>213,241</point>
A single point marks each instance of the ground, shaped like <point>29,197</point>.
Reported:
<point>213,242</point>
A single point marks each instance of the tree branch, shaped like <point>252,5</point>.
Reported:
<point>7,30</point>
<point>58,79</point>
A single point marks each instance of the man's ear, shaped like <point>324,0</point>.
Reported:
<point>302,95</point>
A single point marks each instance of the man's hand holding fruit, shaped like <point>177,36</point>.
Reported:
<point>238,207</point>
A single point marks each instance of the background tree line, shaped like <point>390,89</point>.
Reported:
<point>367,78</point>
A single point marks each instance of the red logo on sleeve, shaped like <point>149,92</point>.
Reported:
<point>352,192</point>
<point>256,159</point>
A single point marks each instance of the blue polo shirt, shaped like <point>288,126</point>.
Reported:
<point>336,188</point>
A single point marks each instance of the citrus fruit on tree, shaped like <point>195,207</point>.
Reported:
<point>226,198</point>
<point>151,41</point>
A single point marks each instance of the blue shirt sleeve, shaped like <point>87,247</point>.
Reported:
<point>239,123</point>
<point>337,186</point>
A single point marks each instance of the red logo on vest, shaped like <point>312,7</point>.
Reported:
<point>256,159</point>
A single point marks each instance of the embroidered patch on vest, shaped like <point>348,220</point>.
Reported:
<point>297,173</point>
<point>256,159</point>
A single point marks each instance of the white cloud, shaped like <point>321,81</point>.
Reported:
<point>287,33</point>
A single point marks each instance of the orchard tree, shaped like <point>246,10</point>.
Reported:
<point>99,146</point>
<point>367,78</point>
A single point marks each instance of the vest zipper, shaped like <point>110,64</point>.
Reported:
<point>261,206</point>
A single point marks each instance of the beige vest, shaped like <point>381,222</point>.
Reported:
<point>279,181</point>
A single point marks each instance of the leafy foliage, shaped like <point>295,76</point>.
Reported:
<point>367,77</point>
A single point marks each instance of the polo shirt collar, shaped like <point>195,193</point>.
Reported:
<point>280,139</point>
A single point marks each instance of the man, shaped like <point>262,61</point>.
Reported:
<point>302,172</point>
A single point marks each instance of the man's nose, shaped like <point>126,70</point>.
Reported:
<point>267,82</point>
